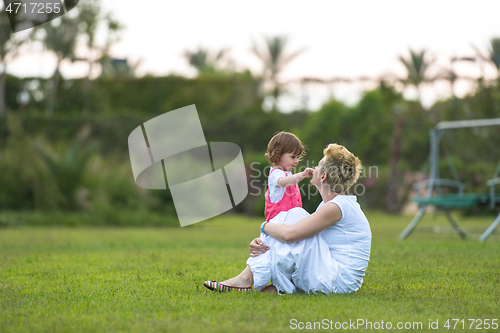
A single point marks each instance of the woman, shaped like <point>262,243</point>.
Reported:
<point>327,251</point>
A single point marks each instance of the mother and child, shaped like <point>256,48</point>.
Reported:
<point>323,252</point>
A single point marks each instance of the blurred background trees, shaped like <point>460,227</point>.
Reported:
<point>274,56</point>
<point>10,44</point>
<point>60,37</point>
<point>48,164</point>
<point>205,62</point>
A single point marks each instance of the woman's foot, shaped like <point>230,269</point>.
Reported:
<point>216,286</point>
<point>270,289</point>
<point>243,280</point>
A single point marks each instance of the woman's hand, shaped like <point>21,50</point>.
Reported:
<point>257,247</point>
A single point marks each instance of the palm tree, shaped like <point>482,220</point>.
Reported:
<point>493,56</point>
<point>274,58</point>
<point>204,61</point>
<point>494,53</point>
<point>417,68</point>
<point>395,103</point>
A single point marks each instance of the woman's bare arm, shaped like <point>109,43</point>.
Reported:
<point>309,226</point>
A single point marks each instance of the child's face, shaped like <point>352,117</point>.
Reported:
<point>289,161</point>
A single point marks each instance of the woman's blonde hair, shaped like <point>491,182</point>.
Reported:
<point>282,143</point>
<point>341,166</point>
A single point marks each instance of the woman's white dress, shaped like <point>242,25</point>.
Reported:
<point>332,261</point>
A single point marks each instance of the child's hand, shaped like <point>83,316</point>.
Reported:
<point>308,172</point>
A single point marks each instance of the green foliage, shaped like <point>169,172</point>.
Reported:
<point>67,169</point>
<point>369,126</point>
<point>230,111</point>
<point>327,125</point>
<point>13,86</point>
<point>362,129</point>
<point>150,280</point>
<point>415,145</point>
<point>38,174</point>
<point>111,184</point>
<point>24,181</point>
<point>475,151</point>
<point>109,130</point>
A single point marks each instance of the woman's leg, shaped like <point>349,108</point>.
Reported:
<point>242,280</point>
<point>245,280</point>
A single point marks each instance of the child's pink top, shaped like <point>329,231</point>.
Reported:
<point>291,199</point>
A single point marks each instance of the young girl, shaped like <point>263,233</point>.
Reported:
<point>284,152</point>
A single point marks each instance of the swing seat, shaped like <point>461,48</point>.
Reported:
<point>445,202</point>
<point>457,200</point>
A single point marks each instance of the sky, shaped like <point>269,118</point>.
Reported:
<point>341,38</point>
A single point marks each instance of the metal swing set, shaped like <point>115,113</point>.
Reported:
<point>434,195</point>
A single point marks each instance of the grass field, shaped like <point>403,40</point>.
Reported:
<point>150,280</point>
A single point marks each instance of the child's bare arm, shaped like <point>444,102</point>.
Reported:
<point>294,179</point>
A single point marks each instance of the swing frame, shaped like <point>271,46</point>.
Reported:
<point>459,200</point>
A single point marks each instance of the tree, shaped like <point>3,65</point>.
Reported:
<point>204,61</point>
<point>394,104</point>
<point>493,56</point>
<point>274,57</point>
<point>417,74</point>
<point>9,49</point>
<point>417,67</point>
<point>91,18</point>
<point>60,38</point>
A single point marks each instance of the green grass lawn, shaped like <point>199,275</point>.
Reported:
<point>150,280</point>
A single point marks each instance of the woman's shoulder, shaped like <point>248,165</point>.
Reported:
<point>342,200</point>
<point>348,205</point>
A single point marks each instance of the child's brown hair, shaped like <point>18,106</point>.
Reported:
<point>283,143</point>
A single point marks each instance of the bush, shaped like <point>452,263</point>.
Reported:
<point>24,180</point>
